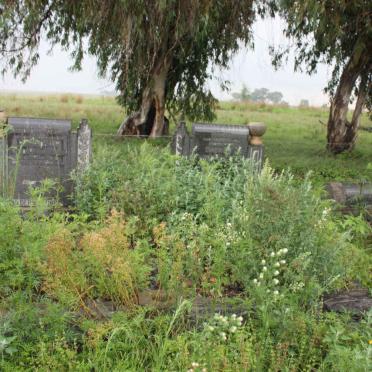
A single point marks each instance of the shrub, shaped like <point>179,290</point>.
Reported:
<point>274,237</point>
<point>104,263</point>
<point>79,99</point>
<point>95,188</point>
<point>64,98</point>
<point>219,226</point>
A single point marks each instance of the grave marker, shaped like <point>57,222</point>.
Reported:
<point>217,140</point>
<point>33,150</point>
<point>352,198</point>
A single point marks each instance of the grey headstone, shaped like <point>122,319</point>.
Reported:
<point>356,301</point>
<point>352,197</point>
<point>215,140</point>
<point>37,149</point>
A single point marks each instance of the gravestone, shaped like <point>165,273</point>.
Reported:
<point>356,300</point>
<point>216,140</point>
<point>33,150</point>
<point>352,197</point>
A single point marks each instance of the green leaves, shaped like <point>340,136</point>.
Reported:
<point>326,31</point>
<point>130,40</point>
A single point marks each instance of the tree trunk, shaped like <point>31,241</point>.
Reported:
<point>159,98</point>
<point>341,134</point>
<point>150,120</point>
<point>352,128</point>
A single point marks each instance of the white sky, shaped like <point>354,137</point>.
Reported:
<point>250,67</point>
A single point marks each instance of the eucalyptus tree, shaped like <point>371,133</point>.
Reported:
<point>338,33</point>
<point>160,53</point>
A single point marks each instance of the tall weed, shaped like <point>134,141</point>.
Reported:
<point>103,263</point>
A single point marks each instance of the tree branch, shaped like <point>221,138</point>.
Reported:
<point>29,39</point>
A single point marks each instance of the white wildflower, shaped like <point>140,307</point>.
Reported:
<point>194,365</point>
<point>277,264</point>
<point>283,262</point>
<point>276,273</point>
<point>223,335</point>
<point>240,319</point>
<point>272,254</point>
<point>276,281</point>
<point>276,293</point>
<point>325,213</point>
<point>255,281</point>
<point>263,262</point>
<point>264,268</point>
<point>261,276</point>
<point>285,250</point>
<point>233,329</point>
<point>210,328</point>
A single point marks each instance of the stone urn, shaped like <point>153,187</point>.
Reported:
<point>256,131</point>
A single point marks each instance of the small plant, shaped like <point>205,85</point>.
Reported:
<point>272,269</point>
<point>104,263</point>
<point>7,347</point>
<point>356,226</point>
<point>64,98</point>
<point>44,198</point>
<point>222,328</point>
<point>79,99</point>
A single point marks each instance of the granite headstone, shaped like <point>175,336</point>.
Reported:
<point>34,149</point>
<point>217,140</point>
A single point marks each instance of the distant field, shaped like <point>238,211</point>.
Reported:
<point>295,137</point>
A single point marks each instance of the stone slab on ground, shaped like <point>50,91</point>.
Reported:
<point>356,301</point>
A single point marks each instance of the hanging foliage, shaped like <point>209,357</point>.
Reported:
<point>161,54</point>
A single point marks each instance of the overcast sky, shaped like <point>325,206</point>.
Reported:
<point>250,67</point>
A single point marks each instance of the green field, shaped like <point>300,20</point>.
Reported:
<point>163,263</point>
<point>295,137</point>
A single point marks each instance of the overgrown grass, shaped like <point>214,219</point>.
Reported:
<point>113,284</point>
<point>146,221</point>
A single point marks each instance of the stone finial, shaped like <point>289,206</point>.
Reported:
<point>180,139</point>
<point>84,145</point>
<point>256,131</point>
